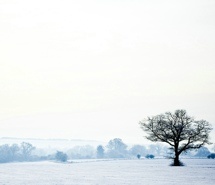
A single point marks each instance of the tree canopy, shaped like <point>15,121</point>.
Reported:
<point>179,130</point>
<point>116,148</point>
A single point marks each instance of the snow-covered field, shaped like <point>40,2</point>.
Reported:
<point>109,172</point>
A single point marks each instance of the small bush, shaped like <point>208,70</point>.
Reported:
<point>138,156</point>
<point>60,156</point>
<point>211,156</point>
<point>150,156</point>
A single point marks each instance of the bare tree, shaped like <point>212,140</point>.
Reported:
<point>9,153</point>
<point>179,130</point>
<point>116,148</point>
<point>5,153</point>
<point>60,156</point>
<point>100,151</point>
<point>14,149</point>
<point>26,149</point>
<point>137,149</point>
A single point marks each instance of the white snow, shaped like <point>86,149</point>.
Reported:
<point>109,172</point>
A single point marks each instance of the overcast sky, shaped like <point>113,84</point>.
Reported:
<point>92,69</point>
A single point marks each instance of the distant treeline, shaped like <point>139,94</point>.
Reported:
<point>115,148</point>
<point>16,152</point>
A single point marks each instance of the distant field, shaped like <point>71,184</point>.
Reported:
<point>109,172</point>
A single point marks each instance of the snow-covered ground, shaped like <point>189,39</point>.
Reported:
<point>109,172</point>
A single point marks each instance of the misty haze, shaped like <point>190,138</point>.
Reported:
<point>107,92</point>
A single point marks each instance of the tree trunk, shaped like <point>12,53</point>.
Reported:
<point>176,160</point>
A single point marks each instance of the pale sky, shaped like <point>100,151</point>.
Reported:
<point>92,69</point>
